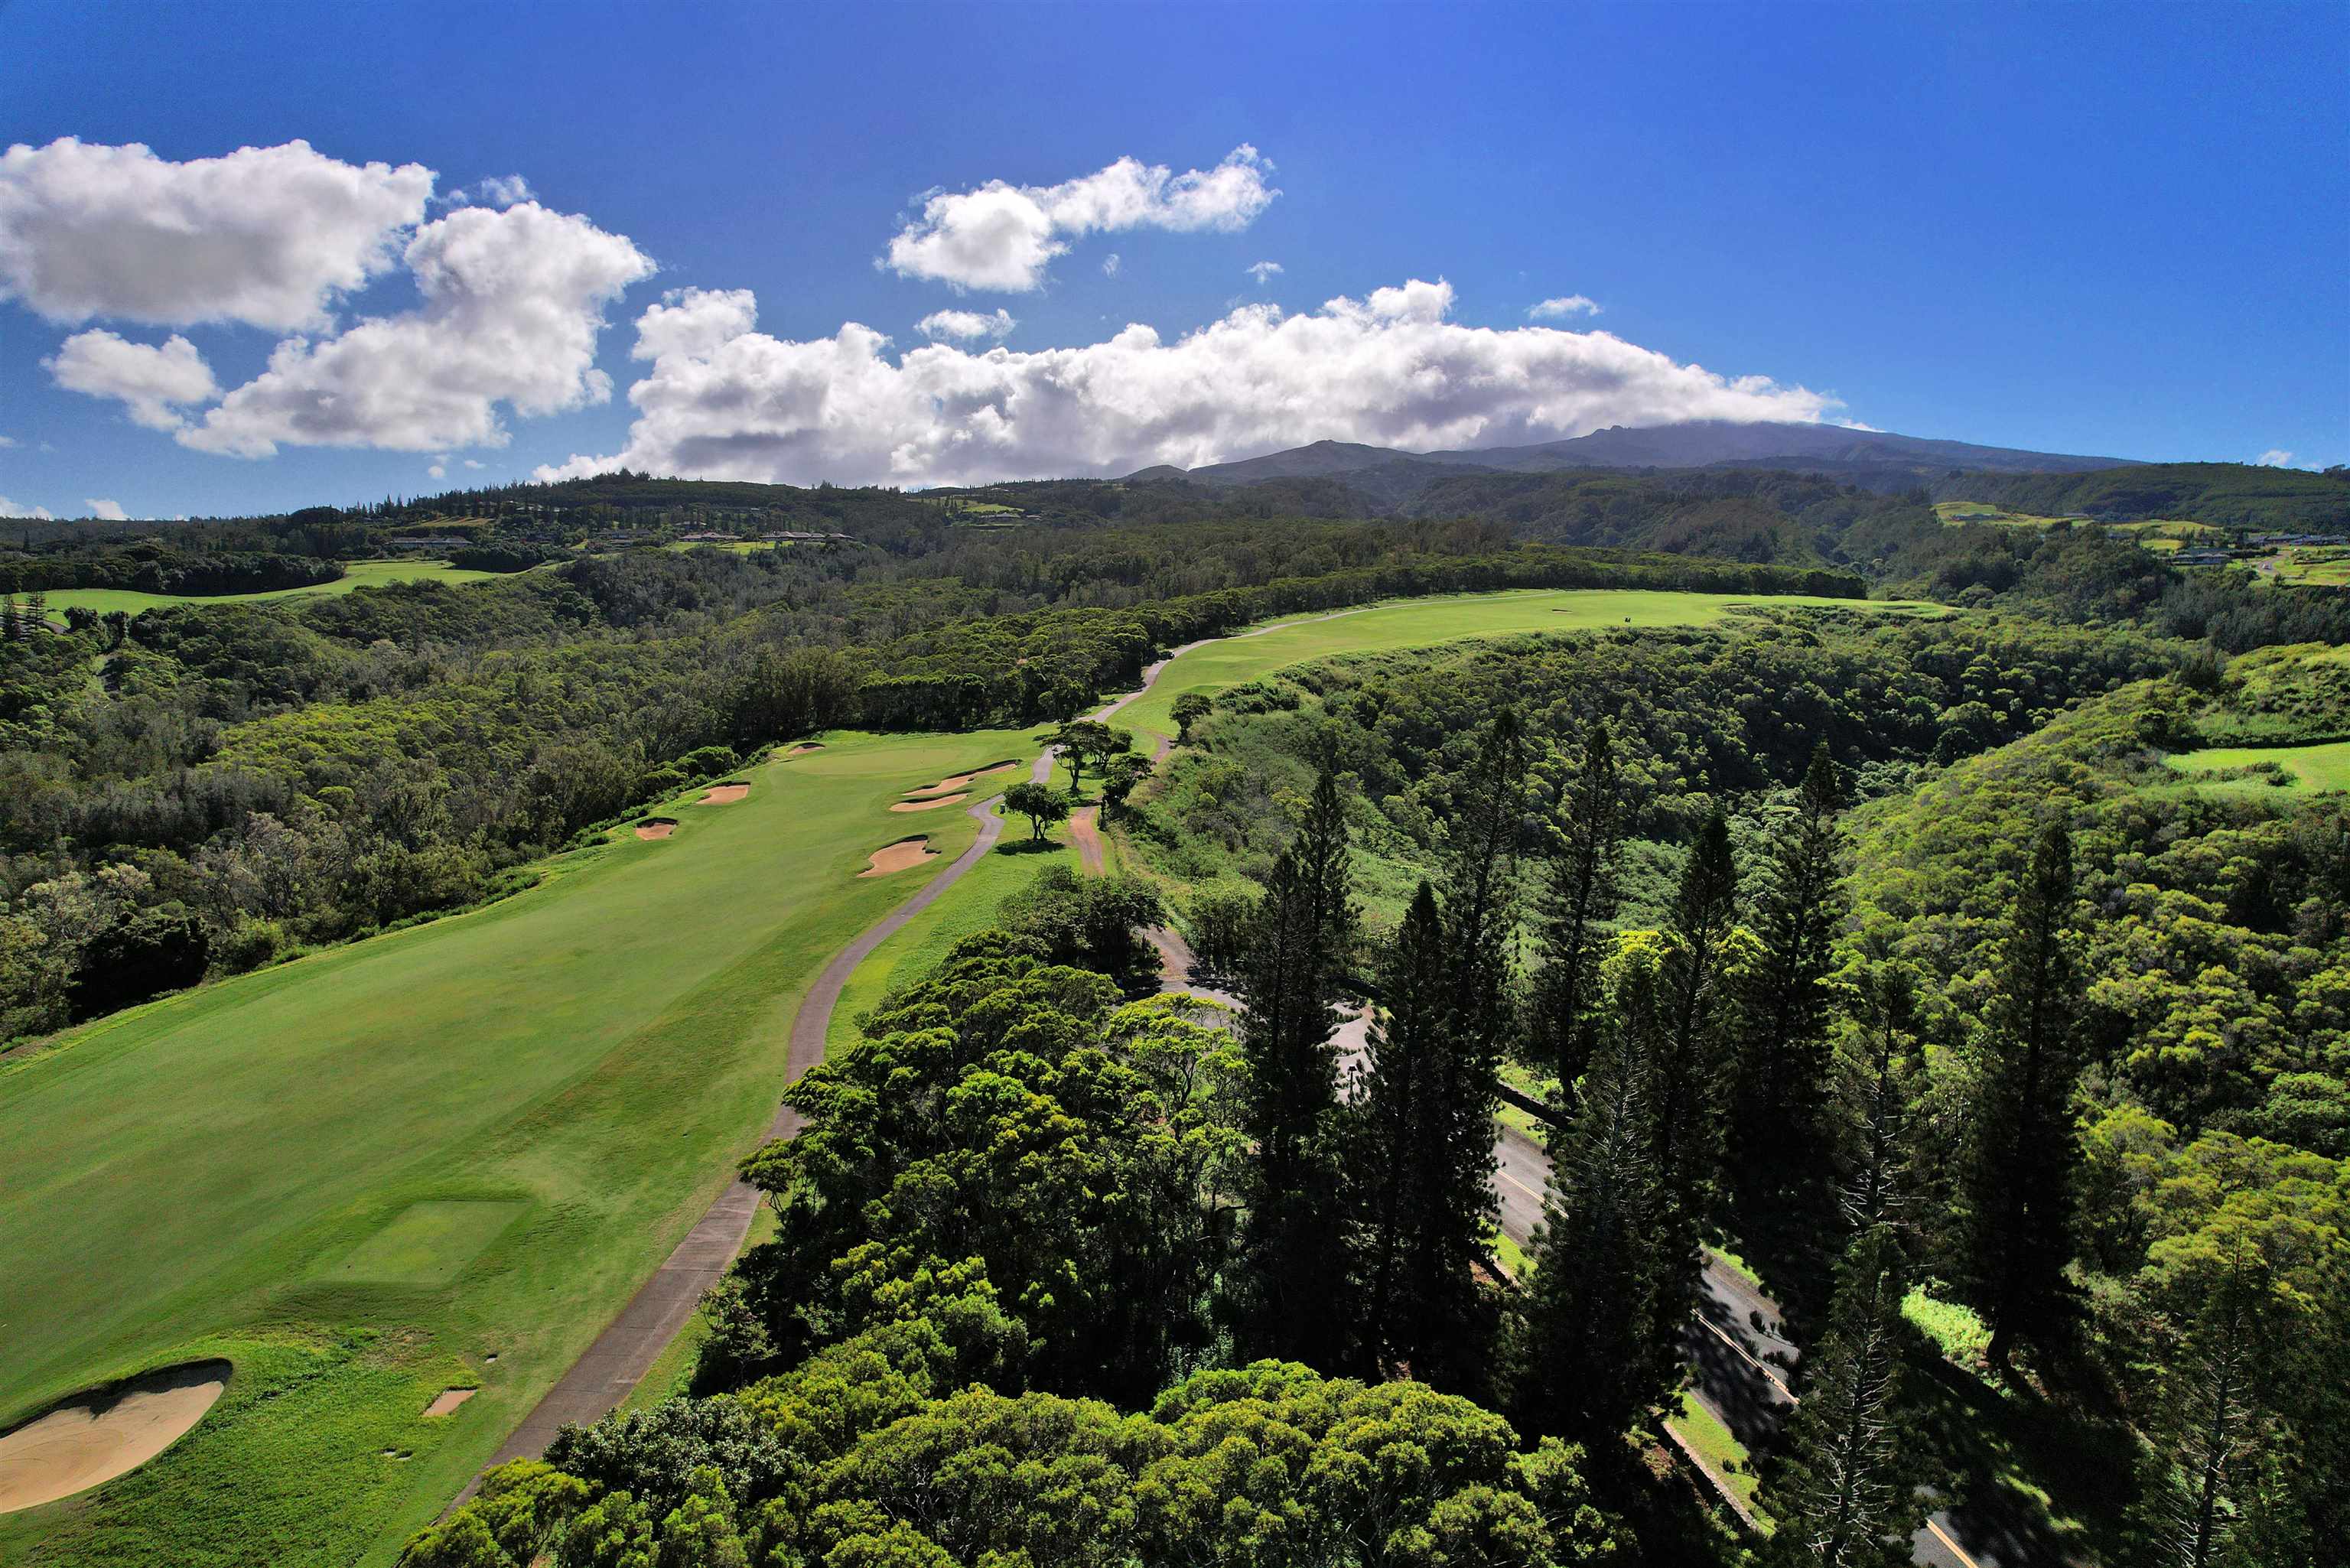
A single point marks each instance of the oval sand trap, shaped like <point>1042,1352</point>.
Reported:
<point>725,795</point>
<point>95,1436</point>
<point>898,855</point>
<point>927,804</point>
<point>803,748</point>
<point>957,781</point>
<point>656,827</point>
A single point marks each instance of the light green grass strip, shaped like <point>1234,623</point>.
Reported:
<point>358,574</point>
<point>2311,768</point>
<point>1421,623</point>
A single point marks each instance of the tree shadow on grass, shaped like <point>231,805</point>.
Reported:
<point>1028,846</point>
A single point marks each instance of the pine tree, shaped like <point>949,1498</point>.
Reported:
<point>1846,1494</point>
<point>1690,1055</point>
<point>1602,1318</point>
<point>1293,1264</point>
<point>2018,1178</point>
<point>1422,1162</point>
<point>1481,869</point>
<point>1577,908</point>
<point>1783,1075</point>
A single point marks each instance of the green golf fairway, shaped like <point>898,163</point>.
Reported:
<point>356,575</point>
<point>291,1167</point>
<point>1416,623</point>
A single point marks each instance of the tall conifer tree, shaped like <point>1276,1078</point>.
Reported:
<point>1421,1166</point>
<point>2018,1176</point>
<point>1578,906</point>
<point>1783,1078</point>
<point>1293,1266</point>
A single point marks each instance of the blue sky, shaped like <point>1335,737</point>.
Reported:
<point>2110,230</point>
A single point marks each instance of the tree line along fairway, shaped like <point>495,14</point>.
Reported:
<point>391,1160</point>
<point>360,1174</point>
<point>356,575</point>
<point>1419,623</point>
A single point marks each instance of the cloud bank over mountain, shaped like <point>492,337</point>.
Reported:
<point>723,401</point>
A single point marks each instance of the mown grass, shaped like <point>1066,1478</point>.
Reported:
<point>1420,623</point>
<point>2284,769</point>
<point>357,575</point>
<point>599,1051</point>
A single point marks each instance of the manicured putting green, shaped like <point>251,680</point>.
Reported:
<point>428,1243</point>
<point>187,1176</point>
<point>357,575</point>
<point>1418,623</point>
<point>2309,768</point>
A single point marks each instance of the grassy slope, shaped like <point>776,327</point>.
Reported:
<point>358,575</point>
<point>602,1047</point>
<point>2312,767</point>
<point>1418,623</point>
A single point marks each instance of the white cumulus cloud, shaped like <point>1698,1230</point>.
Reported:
<point>966,324</point>
<point>440,467</point>
<point>106,511</point>
<point>29,513</point>
<point>512,300</point>
<point>267,235</point>
<point>1566,305</point>
<point>724,400</point>
<point>2275,457</point>
<point>1264,272</point>
<point>497,191</point>
<point>150,383</point>
<point>1004,237</point>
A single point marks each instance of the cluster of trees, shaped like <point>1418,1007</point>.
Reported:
<point>989,1330</point>
<point>2060,1041</point>
<point>150,568</point>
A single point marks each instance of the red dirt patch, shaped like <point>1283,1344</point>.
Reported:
<point>1086,836</point>
<point>656,827</point>
<point>929,803</point>
<point>723,795</point>
<point>445,1403</point>
<point>898,855</point>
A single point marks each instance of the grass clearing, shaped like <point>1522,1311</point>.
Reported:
<point>603,1047</point>
<point>1953,513</point>
<point>427,1244</point>
<point>1420,623</point>
<point>1962,1337</point>
<point>357,575</point>
<point>1717,1447</point>
<point>2284,769</point>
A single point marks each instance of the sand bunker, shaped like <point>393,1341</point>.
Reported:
<point>725,795</point>
<point>803,747</point>
<point>656,827</point>
<point>929,805</point>
<point>97,1436</point>
<point>898,855</point>
<point>957,781</point>
<point>445,1403</point>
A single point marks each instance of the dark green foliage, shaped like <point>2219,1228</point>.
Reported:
<point>2021,1155</point>
<point>1798,916</point>
<point>1579,907</point>
<point>1291,968</point>
<point>1846,1494</point>
<point>1420,1164</point>
<point>1041,804</point>
<point>1599,1342</point>
<point>1089,921</point>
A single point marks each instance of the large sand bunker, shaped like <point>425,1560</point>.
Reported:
<point>723,795</point>
<point>97,1436</point>
<point>803,748</point>
<point>656,827</point>
<point>927,803</point>
<point>957,781</point>
<point>898,855</point>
